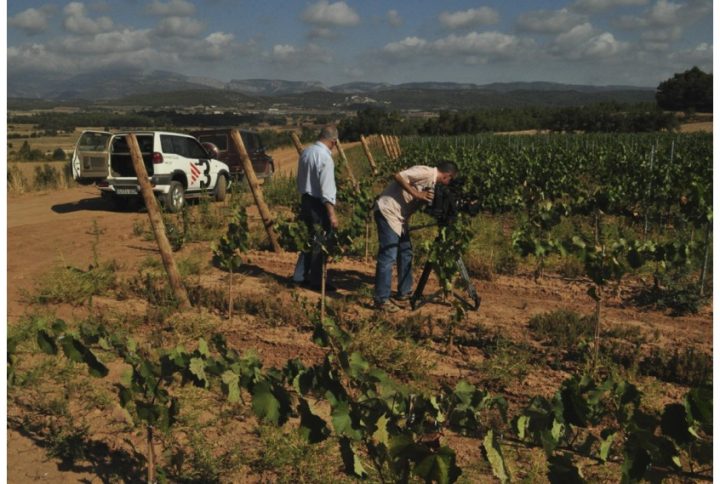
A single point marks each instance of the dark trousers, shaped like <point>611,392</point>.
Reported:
<point>315,217</point>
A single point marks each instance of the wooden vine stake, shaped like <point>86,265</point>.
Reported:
<point>156,222</point>
<point>369,155</point>
<point>296,142</point>
<point>397,146</point>
<point>255,189</point>
<point>353,180</point>
<point>386,149</point>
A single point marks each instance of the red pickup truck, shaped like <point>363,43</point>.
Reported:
<point>219,139</point>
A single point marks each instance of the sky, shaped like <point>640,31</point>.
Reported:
<point>598,42</point>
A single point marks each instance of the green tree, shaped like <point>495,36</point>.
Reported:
<point>58,154</point>
<point>691,89</point>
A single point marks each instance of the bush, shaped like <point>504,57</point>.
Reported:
<point>562,328</point>
<point>686,366</point>
<point>46,177</point>
<point>281,190</point>
<point>16,182</point>
<point>672,291</point>
<point>58,154</point>
<point>74,286</point>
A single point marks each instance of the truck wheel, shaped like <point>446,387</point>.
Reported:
<point>175,197</point>
<point>221,189</point>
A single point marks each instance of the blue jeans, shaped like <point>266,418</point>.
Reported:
<point>393,249</point>
<point>309,264</point>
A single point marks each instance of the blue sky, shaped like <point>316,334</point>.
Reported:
<point>631,42</point>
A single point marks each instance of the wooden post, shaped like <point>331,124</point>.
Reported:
<point>397,146</point>
<point>369,155</point>
<point>255,189</point>
<point>156,222</point>
<point>296,142</point>
<point>385,146</point>
<point>347,165</point>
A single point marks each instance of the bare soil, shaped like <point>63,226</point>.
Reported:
<point>47,229</point>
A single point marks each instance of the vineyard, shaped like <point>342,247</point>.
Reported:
<point>589,360</point>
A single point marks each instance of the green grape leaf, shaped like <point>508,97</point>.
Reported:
<point>312,428</point>
<point>353,464</point>
<point>231,380</point>
<point>197,368</point>
<point>265,405</point>
<point>46,343</point>
<point>562,470</point>
<point>494,455</point>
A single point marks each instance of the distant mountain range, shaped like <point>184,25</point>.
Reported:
<point>155,88</point>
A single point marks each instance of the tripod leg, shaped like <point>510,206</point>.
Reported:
<point>468,284</point>
<point>421,285</point>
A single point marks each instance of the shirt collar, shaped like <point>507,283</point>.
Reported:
<point>324,146</point>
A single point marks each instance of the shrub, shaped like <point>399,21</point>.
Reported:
<point>74,286</point>
<point>382,347</point>
<point>16,182</point>
<point>562,328</point>
<point>46,177</point>
<point>679,295</point>
<point>58,154</point>
<point>281,190</point>
<point>684,366</point>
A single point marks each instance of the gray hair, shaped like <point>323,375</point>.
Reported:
<point>328,132</point>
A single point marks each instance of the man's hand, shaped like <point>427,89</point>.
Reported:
<point>331,215</point>
<point>422,196</point>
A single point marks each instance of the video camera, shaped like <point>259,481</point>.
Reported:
<point>451,200</point>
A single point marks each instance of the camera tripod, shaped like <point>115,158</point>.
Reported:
<point>469,287</point>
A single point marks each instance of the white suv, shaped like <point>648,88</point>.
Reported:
<point>177,164</point>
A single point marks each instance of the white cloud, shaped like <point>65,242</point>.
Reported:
<point>322,33</point>
<point>292,55</point>
<point>666,14</point>
<point>217,45</point>
<point>592,6</point>
<point>32,20</point>
<point>472,48</point>
<point>407,45</point>
<point>78,23</point>
<point>36,57</point>
<point>126,40</point>
<point>337,14</point>
<point>549,21</point>
<point>662,35</point>
<point>491,44</point>
<point>393,18</point>
<point>179,27</point>
<point>700,55</point>
<point>174,8</point>
<point>469,18</point>
<point>584,42</point>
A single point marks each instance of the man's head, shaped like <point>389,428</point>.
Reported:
<point>329,136</point>
<point>447,171</point>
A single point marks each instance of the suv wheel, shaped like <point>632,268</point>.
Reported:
<point>220,189</point>
<point>175,197</point>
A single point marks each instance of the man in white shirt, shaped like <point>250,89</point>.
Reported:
<point>316,184</point>
<point>410,190</point>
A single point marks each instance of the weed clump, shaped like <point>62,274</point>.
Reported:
<point>684,366</point>
<point>74,286</point>
<point>562,328</point>
<point>384,348</point>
